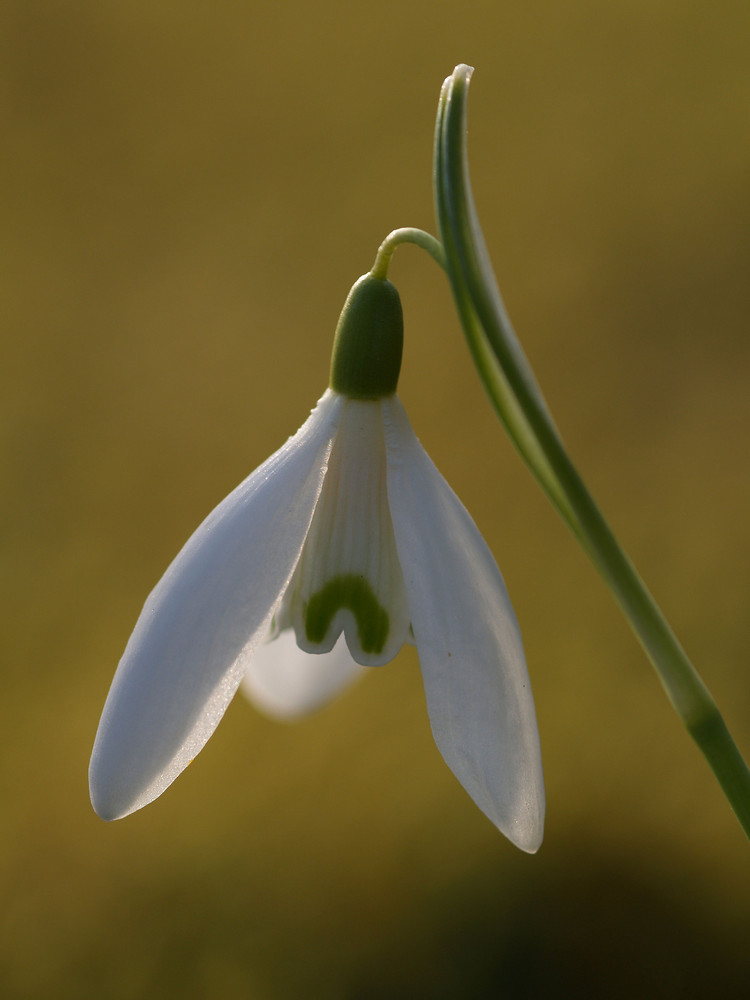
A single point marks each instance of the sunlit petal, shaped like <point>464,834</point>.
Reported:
<point>192,642</point>
<point>477,686</point>
<point>349,576</point>
<point>285,682</point>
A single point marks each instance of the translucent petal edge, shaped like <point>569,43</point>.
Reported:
<point>190,646</point>
<point>477,686</point>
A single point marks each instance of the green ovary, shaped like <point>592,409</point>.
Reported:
<point>356,595</point>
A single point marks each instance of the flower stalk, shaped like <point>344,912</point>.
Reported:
<point>512,388</point>
<point>406,235</point>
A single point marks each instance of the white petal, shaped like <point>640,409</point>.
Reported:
<point>192,641</point>
<point>469,644</point>
<point>349,576</point>
<point>286,682</point>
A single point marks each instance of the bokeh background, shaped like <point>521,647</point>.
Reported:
<point>188,191</point>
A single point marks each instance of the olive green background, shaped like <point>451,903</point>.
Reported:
<point>188,191</point>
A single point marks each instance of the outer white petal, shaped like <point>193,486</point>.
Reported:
<point>192,641</point>
<point>478,692</point>
<point>286,682</point>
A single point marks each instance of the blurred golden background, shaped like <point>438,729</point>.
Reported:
<point>188,192</point>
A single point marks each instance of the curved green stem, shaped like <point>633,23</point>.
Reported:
<point>405,235</point>
<point>510,383</point>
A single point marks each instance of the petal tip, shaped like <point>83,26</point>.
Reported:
<point>528,841</point>
<point>104,806</point>
<point>111,799</point>
<point>526,830</point>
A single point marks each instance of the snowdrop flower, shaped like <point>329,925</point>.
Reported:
<point>341,547</point>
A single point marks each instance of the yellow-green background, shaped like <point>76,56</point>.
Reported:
<point>188,191</point>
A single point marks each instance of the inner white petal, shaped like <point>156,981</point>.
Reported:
<point>286,683</point>
<point>349,577</point>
